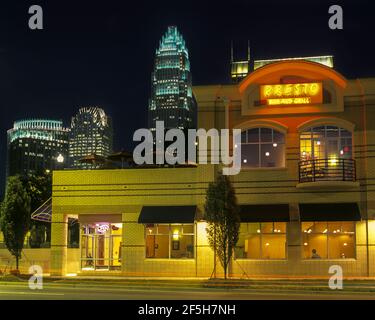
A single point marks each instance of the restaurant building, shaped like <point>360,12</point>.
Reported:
<point>306,187</point>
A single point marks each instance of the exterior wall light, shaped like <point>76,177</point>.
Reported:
<point>176,235</point>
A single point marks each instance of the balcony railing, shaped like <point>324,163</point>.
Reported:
<point>327,170</point>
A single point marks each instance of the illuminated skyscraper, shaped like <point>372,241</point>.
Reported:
<point>172,99</point>
<point>36,146</point>
<point>91,133</point>
<point>239,69</point>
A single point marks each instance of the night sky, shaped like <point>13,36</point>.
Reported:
<point>102,52</point>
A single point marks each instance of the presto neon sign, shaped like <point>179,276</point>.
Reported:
<point>294,93</point>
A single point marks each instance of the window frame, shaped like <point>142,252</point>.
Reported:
<point>326,139</point>
<point>170,238</point>
<point>89,232</point>
<point>261,233</point>
<point>328,233</point>
<point>259,144</point>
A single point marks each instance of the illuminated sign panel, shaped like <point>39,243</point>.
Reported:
<point>296,93</point>
<point>324,60</point>
<point>240,69</point>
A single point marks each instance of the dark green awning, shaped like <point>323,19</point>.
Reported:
<point>329,212</point>
<point>167,214</point>
<point>264,213</point>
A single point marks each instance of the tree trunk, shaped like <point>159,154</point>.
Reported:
<point>215,252</point>
<point>225,265</point>
<point>17,259</point>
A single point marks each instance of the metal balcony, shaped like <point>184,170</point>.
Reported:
<point>327,170</point>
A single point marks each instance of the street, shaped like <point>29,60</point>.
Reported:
<point>103,291</point>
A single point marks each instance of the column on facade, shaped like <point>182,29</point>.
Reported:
<point>59,244</point>
<point>294,253</point>
<point>133,245</point>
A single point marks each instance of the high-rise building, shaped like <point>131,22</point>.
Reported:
<point>91,133</point>
<point>36,146</point>
<point>172,99</point>
<point>239,68</point>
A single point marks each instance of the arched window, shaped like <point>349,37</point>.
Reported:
<point>262,148</point>
<point>326,142</point>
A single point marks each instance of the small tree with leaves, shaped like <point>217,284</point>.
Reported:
<point>15,216</point>
<point>222,216</point>
<point>39,188</point>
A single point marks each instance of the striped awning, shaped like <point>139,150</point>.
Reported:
<point>44,212</point>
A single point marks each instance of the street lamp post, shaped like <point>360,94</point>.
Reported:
<point>60,161</point>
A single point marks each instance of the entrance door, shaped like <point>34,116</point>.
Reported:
<point>87,252</point>
<point>101,247</point>
<point>102,251</point>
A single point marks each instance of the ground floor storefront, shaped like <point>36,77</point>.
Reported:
<point>168,241</point>
<point>150,223</point>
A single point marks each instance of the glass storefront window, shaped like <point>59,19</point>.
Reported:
<point>328,240</point>
<point>169,241</point>
<point>261,241</point>
<point>262,148</point>
<point>73,233</point>
<point>188,228</point>
<point>326,142</point>
<point>163,229</point>
<point>101,246</point>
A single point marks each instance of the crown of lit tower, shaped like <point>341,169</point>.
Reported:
<point>172,98</point>
<point>239,68</point>
<point>36,146</point>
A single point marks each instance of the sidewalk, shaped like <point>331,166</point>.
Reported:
<point>196,279</point>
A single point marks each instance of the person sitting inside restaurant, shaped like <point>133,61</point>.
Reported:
<point>314,254</point>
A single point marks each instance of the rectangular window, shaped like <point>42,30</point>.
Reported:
<point>262,241</point>
<point>328,240</point>
<point>169,241</point>
<point>263,148</point>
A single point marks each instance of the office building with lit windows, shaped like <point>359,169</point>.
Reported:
<point>305,189</point>
<point>172,99</point>
<point>239,68</point>
<point>35,146</point>
<point>91,134</point>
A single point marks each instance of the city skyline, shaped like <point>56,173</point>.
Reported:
<point>187,151</point>
<point>101,58</point>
